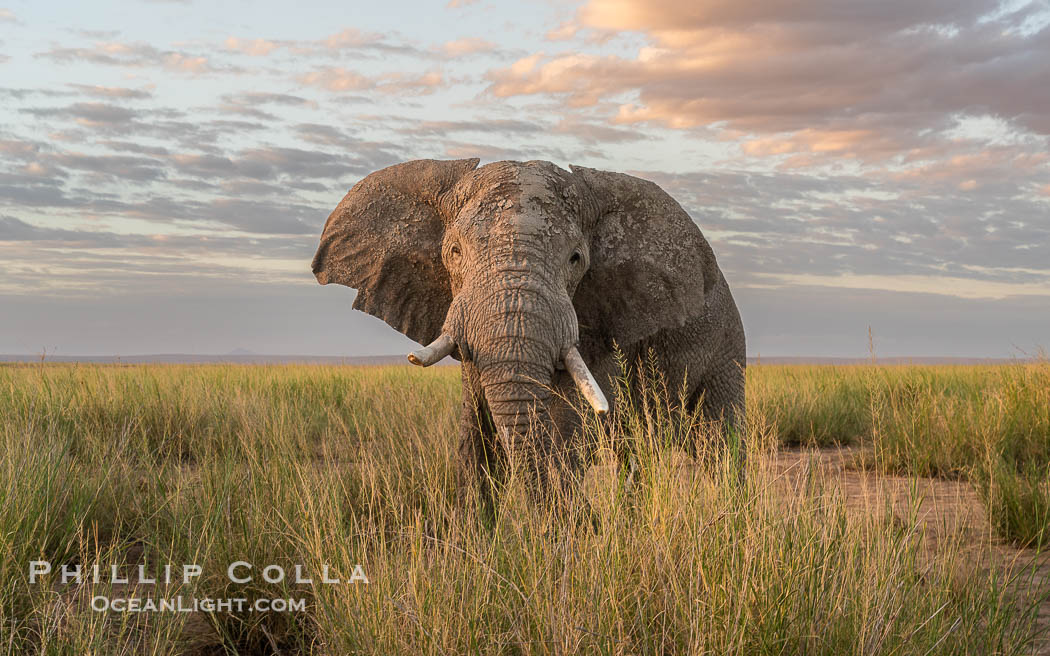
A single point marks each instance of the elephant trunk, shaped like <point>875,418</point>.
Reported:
<point>516,370</point>
<point>520,333</point>
<point>518,396</point>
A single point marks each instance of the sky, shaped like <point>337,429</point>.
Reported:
<point>166,167</point>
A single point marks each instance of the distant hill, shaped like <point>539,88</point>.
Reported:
<point>240,356</point>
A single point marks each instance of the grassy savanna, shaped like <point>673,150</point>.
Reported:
<point>665,554</point>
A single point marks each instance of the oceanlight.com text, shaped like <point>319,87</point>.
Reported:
<point>180,604</point>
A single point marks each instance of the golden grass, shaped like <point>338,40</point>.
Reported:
<point>341,466</point>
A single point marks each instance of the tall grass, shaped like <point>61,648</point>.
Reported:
<point>989,425</point>
<point>343,466</point>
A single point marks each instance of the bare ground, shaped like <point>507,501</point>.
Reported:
<point>946,511</point>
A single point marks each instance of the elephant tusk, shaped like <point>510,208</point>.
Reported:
<point>434,352</point>
<point>585,381</point>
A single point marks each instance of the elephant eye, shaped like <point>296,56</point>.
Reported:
<point>454,251</point>
<point>575,257</point>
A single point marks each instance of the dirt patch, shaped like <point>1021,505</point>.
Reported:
<point>945,510</point>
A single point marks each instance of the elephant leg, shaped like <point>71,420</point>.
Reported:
<point>721,393</point>
<point>561,451</point>
<point>548,457</point>
<point>552,459</point>
<point>481,461</point>
<point>485,458</point>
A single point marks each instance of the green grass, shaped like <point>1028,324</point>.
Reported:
<point>338,466</point>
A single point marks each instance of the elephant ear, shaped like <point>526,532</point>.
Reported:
<point>651,267</point>
<point>384,239</point>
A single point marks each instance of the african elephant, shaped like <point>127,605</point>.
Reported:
<point>532,276</point>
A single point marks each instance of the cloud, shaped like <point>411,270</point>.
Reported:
<point>13,229</point>
<point>258,163</point>
<point>21,94</point>
<point>65,261</point>
<point>467,46</point>
<point>19,148</point>
<point>579,129</point>
<point>137,169</point>
<point>362,44</point>
<point>489,152</point>
<point>252,47</point>
<point>822,77</point>
<point>262,98</point>
<point>337,79</point>
<point>352,39</point>
<point>264,163</point>
<point>944,285</point>
<point>264,216</point>
<point>366,155</point>
<point>324,134</point>
<point>110,119</point>
<point>771,228</point>
<point>339,44</point>
<point>111,92</point>
<point>488,126</point>
<point>596,133</point>
<point>250,103</point>
<point>259,188</point>
<point>563,32</point>
<point>273,216</point>
<point>340,80</point>
<point>7,16</point>
<point>131,147</point>
<point>137,55</point>
<point>884,17</point>
<point>89,114</point>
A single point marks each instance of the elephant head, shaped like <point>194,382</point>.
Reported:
<point>504,267</point>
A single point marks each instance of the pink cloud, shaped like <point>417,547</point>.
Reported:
<point>467,46</point>
<point>253,47</point>
<point>350,38</point>
<point>563,32</point>
<point>821,79</point>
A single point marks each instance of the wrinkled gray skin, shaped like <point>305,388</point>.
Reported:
<point>517,262</point>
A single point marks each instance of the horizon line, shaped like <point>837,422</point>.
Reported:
<point>261,358</point>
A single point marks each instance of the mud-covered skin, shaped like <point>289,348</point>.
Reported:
<point>519,261</point>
